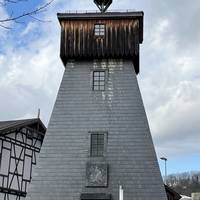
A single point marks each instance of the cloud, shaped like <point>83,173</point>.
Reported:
<point>3,13</point>
<point>30,74</point>
<point>30,27</point>
<point>3,26</point>
<point>170,82</point>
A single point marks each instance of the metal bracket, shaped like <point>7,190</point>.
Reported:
<point>103,4</point>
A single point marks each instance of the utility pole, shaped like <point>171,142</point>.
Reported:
<point>165,159</point>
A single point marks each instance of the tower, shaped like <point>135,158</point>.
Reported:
<point>98,144</point>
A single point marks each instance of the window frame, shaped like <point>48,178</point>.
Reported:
<point>103,154</point>
<point>100,83</point>
<point>99,30</point>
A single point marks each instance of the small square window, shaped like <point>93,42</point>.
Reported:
<point>99,29</point>
<point>97,144</point>
<point>99,80</point>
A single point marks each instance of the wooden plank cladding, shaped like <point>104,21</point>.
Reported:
<point>120,37</point>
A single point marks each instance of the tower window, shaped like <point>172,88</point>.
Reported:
<point>99,29</point>
<point>99,80</point>
<point>97,144</point>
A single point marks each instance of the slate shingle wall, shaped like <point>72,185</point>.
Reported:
<point>60,173</point>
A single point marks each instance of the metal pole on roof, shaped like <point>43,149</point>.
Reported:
<point>38,116</point>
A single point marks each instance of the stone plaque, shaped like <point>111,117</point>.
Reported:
<point>96,175</point>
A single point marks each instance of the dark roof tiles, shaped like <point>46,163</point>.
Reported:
<point>13,124</point>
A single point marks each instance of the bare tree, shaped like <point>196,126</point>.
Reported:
<point>185,183</point>
<point>4,22</point>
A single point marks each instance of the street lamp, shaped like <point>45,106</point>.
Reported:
<point>165,159</point>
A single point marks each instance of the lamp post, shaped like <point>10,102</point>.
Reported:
<point>165,159</point>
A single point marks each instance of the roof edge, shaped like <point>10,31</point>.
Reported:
<point>14,124</point>
<point>93,15</point>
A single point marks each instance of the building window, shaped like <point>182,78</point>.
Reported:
<point>97,144</point>
<point>99,80</point>
<point>99,29</point>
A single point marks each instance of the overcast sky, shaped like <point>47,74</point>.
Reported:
<point>169,79</point>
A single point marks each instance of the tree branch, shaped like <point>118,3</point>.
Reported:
<point>4,3</point>
<point>6,27</point>
<point>24,14</point>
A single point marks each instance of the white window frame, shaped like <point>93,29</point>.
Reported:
<point>99,30</point>
<point>99,80</point>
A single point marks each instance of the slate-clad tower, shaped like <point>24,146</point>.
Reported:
<point>98,139</point>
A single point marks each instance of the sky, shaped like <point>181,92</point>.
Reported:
<point>169,79</point>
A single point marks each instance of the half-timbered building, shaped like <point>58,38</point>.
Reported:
<point>20,143</point>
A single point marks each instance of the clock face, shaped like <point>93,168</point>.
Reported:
<point>96,175</point>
